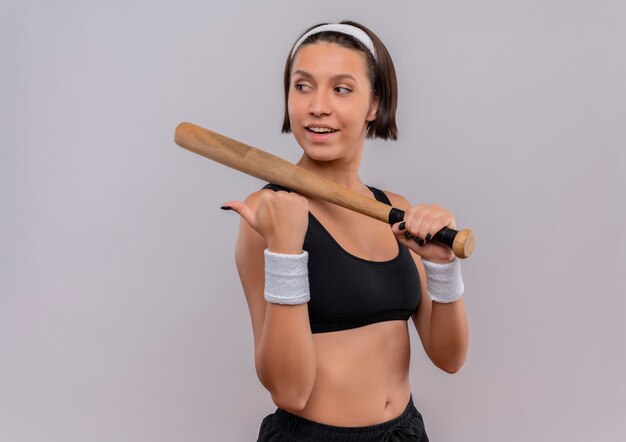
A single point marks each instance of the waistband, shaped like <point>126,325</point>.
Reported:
<point>311,430</point>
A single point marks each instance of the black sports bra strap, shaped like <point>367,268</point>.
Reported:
<point>276,187</point>
<point>380,195</point>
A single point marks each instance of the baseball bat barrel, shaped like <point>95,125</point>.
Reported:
<point>273,169</point>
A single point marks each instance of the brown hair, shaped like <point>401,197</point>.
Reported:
<point>381,73</point>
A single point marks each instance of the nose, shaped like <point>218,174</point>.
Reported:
<point>320,104</point>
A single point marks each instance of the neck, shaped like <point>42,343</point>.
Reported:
<point>340,171</point>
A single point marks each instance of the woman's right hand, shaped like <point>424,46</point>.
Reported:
<point>281,218</point>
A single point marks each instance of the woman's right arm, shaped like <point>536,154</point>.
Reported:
<point>283,344</point>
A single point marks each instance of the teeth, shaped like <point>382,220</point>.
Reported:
<point>320,130</point>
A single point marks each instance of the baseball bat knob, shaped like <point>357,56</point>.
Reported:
<point>463,243</point>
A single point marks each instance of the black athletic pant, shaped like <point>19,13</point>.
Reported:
<point>283,426</point>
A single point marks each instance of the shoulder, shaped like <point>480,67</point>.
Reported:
<point>397,200</point>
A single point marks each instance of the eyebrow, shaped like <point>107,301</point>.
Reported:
<point>334,77</point>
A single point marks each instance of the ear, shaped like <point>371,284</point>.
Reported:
<point>373,112</point>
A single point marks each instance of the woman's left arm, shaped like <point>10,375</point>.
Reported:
<point>442,327</point>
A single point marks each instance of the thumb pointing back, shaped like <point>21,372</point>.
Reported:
<point>242,209</point>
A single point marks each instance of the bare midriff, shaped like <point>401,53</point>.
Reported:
<point>362,375</point>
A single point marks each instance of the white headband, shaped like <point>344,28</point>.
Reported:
<point>353,31</point>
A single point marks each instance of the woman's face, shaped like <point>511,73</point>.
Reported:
<point>330,101</point>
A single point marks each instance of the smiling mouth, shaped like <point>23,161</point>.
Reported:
<point>320,130</point>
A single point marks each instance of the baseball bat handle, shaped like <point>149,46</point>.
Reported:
<point>461,242</point>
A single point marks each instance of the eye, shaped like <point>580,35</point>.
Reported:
<point>302,87</point>
<point>342,90</point>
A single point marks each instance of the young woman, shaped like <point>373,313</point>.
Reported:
<point>329,290</point>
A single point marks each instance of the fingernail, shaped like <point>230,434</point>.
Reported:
<point>407,235</point>
<point>402,225</point>
<point>419,240</point>
<point>226,208</point>
<point>428,237</point>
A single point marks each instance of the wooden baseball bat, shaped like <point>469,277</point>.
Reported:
<point>273,169</point>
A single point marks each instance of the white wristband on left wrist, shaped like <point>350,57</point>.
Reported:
<point>445,284</point>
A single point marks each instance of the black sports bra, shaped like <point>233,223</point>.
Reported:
<point>348,291</point>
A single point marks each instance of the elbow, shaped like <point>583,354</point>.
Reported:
<point>294,402</point>
<point>290,395</point>
<point>451,368</point>
<point>450,365</point>
<point>451,360</point>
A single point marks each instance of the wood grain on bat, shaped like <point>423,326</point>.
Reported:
<point>273,169</point>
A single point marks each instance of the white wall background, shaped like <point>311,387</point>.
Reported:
<point>121,314</point>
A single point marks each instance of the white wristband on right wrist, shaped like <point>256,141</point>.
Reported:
<point>286,278</point>
<point>445,284</point>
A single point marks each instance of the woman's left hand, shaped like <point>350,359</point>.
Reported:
<point>421,223</point>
